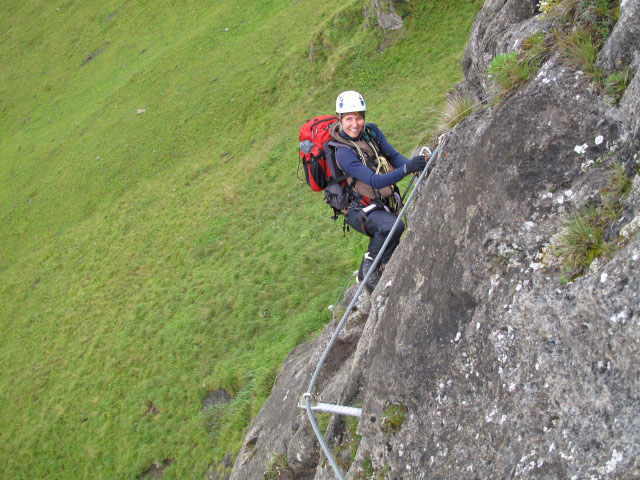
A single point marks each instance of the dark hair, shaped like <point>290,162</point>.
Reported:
<point>340,115</point>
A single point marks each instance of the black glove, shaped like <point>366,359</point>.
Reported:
<point>416,164</point>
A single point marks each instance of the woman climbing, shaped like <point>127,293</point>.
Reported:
<point>374,167</point>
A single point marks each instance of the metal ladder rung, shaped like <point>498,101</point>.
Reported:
<point>330,408</point>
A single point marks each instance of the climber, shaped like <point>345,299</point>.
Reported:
<point>374,167</point>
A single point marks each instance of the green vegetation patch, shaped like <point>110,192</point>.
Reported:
<point>580,51</point>
<point>368,471</point>
<point>512,69</point>
<point>508,72</point>
<point>617,82</point>
<point>345,452</point>
<point>393,417</point>
<point>367,468</point>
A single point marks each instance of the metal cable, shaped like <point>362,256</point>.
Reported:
<point>325,353</point>
<point>341,292</point>
<point>323,444</point>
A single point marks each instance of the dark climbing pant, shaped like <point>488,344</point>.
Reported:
<point>377,225</point>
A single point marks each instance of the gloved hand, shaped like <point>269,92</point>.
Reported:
<point>416,164</point>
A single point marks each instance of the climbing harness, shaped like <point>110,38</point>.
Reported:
<point>306,401</point>
<point>367,150</point>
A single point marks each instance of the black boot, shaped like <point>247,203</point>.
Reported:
<point>365,265</point>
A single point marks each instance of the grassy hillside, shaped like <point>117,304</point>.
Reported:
<point>155,241</point>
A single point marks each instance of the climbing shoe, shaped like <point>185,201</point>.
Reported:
<point>365,265</point>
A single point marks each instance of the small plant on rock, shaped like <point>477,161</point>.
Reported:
<point>547,7</point>
<point>536,48</point>
<point>322,419</point>
<point>561,11</point>
<point>601,16</point>
<point>580,242</point>
<point>619,183</point>
<point>367,467</point>
<point>278,469</point>
<point>618,186</point>
<point>512,69</point>
<point>535,51</point>
<point>351,424</point>
<point>584,238</point>
<point>617,82</point>
<point>370,472</point>
<point>393,417</point>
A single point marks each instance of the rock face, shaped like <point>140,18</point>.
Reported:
<point>499,27</point>
<point>386,16</point>
<point>499,369</point>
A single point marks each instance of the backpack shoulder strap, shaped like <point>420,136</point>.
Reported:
<point>371,137</point>
<point>370,132</point>
<point>336,137</point>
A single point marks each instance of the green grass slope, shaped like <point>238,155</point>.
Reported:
<point>149,258</point>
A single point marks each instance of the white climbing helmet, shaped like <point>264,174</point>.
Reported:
<point>350,101</point>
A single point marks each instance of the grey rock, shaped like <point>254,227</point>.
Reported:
<point>384,11</point>
<point>623,45</point>
<point>303,450</point>
<point>499,27</point>
<point>505,372</point>
<point>215,397</point>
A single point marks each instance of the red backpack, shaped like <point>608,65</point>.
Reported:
<point>314,135</point>
<point>318,160</point>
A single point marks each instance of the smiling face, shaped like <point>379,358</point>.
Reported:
<point>352,124</point>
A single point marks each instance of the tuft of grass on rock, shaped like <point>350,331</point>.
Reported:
<point>579,51</point>
<point>512,69</point>
<point>322,419</point>
<point>584,238</point>
<point>367,467</point>
<point>508,72</point>
<point>456,109</point>
<point>368,471</point>
<point>618,187</point>
<point>580,243</point>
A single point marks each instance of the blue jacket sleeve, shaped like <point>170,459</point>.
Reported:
<point>349,162</point>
